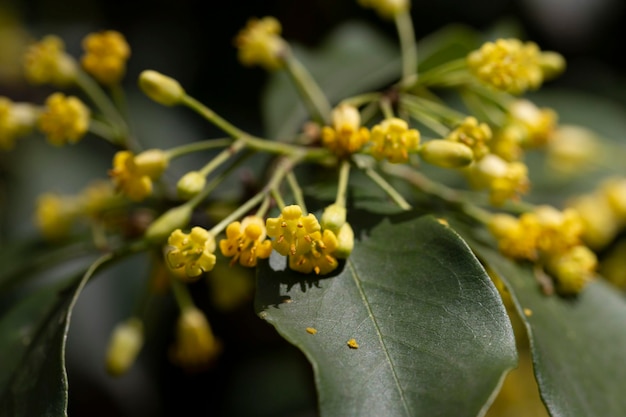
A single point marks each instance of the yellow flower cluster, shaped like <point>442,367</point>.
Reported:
<point>387,8</point>
<point>56,214</point>
<point>133,174</point>
<point>192,251</point>
<point>603,212</point>
<point>46,62</point>
<point>504,180</point>
<point>346,136</point>
<point>260,43</point>
<point>526,127</point>
<point>572,150</point>
<point>393,140</point>
<point>301,238</point>
<point>105,56</point>
<point>510,65</point>
<point>16,119</point>
<point>65,119</point>
<point>551,237</point>
<point>245,242</point>
<point>472,134</point>
<point>195,346</point>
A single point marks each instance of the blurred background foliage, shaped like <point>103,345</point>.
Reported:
<point>258,374</point>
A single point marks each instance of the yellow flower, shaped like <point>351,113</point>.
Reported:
<point>133,174</point>
<point>193,251</point>
<point>517,238</point>
<point>46,62</point>
<point>55,215</point>
<point>124,346</point>
<point>127,177</point>
<point>346,136</point>
<point>601,223</point>
<point>245,242</point>
<point>260,43</point>
<point>387,9</point>
<point>539,124</point>
<point>573,269</point>
<point>505,180</point>
<point>560,230</point>
<point>292,231</point>
<point>195,346</point>
<point>97,197</point>
<point>105,56</point>
<point>16,119</point>
<point>64,120</point>
<point>508,64</point>
<point>573,149</point>
<point>472,134</point>
<point>319,258</point>
<point>392,139</point>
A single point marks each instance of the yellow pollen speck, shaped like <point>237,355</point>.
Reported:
<point>528,312</point>
<point>352,344</point>
<point>311,330</point>
<point>443,222</point>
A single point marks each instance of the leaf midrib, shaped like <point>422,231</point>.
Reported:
<point>357,282</point>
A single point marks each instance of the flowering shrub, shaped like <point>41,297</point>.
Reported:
<point>394,233</point>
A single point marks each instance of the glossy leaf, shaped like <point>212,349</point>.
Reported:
<point>577,344</point>
<point>33,379</point>
<point>433,336</point>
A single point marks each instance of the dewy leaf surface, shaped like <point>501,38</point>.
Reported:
<point>433,336</point>
<point>577,344</point>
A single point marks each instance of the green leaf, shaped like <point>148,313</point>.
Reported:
<point>434,338</point>
<point>33,382</point>
<point>577,344</point>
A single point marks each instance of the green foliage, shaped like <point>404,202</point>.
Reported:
<point>433,338</point>
<point>410,323</point>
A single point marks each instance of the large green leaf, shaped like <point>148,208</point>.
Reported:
<point>434,338</point>
<point>33,380</point>
<point>577,344</point>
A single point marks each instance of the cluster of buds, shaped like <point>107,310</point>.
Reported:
<point>514,66</point>
<point>56,214</point>
<point>548,237</point>
<point>310,246</point>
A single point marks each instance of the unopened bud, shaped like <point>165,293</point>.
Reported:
<point>333,218</point>
<point>124,346</point>
<point>446,154</point>
<point>152,163</point>
<point>161,88</point>
<point>162,227</point>
<point>345,242</point>
<point>190,184</point>
<point>552,64</point>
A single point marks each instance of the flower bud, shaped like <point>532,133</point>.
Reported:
<point>190,184</point>
<point>174,218</point>
<point>152,163</point>
<point>345,241</point>
<point>333,218</point>
<point>124,346</point>
<point>446,154</point>
<point>552,64</point>
<point>161,88</point>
